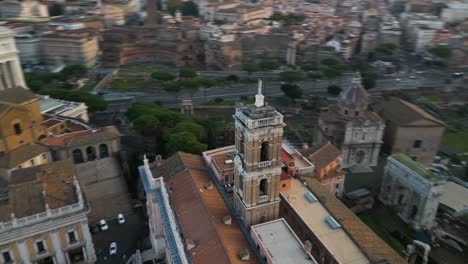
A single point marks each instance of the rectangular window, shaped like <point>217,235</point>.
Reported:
<point>32,162</point>
<point>71,237</point>
<point>17,128</point>
<point>337,186</point>
<point>284,185</point>
<point>40,247</point>
<point>417,144</point>
<point>44,156</point>
<point>7,257</point>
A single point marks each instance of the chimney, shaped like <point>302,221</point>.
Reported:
<point>244,254</point>
<point>209,185</point>
<point>190,244</point>
<point>227,220</point>
<point>305,147</point>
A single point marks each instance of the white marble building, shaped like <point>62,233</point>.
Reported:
<point>413,190</point>
<point>356,131</point>
<point>11,74</point>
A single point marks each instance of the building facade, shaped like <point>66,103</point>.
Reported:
<point>29,8</point>
<point>413,190</point>
<point>11,74</point>
<point>352,128</point>
<point>45,224</point>
<point>257,165</point>
<point>410,130</point>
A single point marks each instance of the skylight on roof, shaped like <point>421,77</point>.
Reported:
<point>310,197</point>
<point>332,222</point>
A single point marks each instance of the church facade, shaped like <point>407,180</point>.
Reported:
<point>350,126</point>
<point>257,164</point>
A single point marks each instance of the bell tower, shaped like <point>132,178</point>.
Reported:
<point>257,165</point>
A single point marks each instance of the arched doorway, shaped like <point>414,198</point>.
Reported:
<point>91,153</point>
<point>103,151</point>
<point>78,156</point>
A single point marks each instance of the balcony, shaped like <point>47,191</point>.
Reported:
<point>263,199</point>
<point>264,164</point>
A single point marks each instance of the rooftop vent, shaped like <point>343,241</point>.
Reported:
<point>209,185</point>
<point>227,220</point>
<point>332,222</point>
<point>310,197</point>
<point>244,254</point>
<point>190,244</point>
<point>228,161</point>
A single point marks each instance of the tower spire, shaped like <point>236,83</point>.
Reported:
<point>259,98</point>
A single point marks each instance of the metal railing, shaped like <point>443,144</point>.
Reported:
<point>264,164</point>
<point>263,199</point>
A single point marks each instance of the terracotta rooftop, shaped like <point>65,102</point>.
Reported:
<point>370,243</point>
<point>103,134</point>
<point>220,161</point>
<point>21,154</point>
<point>404,113</point>
<point>28,186</point>
<point>16,95</point>
<point>200,211</point>
<point>322,155</point>
<point>58,141</point>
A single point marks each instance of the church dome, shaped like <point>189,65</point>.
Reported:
<point>354,95</point>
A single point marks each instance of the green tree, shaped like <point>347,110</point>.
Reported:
<point>75,70</point>
<point>186,142</point>
<point>441,51</point>
<point>146,124</point>
<point>334,89</point>
<point>187,73</point>
<point>309,67</point>
<point>189,8</point>
<point>291,76</point>
<point>291,90</point>
<point>94,102</point>
<point>368,79</point>
<point>331,73</point>
<point>330,62</point>
<point>232,78</point>
<point>269,65</point>
<point>56,10</point>
<point>386,48</point>
<point>173,5</point>
<point>205,81</point>
<point>192,127</point>
<point>250,68</point>
<point>162,75</point>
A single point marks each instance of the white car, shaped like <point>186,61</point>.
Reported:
<point>113,249</point>
<point>103,225</point>
<point>120,219</point>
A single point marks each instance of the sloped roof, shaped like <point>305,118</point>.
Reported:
<point>369,242</point>
<point>59,140</point>
<point>200,211</point>
<point>16,95</point>
<point>323,154</point>
<point>21,154</point>
<point>102,134</point>
<point>28,186</point>
<point>403,112</point>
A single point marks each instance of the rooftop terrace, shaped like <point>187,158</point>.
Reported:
<point>416,167</point>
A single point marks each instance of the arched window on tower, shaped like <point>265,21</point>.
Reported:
<point>91,153</point>
<point>264,151</point>
<point>77,156</point>
<point>103,151</point>
<point>263,187</point>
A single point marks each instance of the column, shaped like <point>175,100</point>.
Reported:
<point>60,256</point>
<point>90,254</point>
<point>23,251</point>
<point>18,73</point>
<point>6,75</point>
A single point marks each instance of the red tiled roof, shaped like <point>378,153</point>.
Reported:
<point>58,141</point>
<point>285,157</point>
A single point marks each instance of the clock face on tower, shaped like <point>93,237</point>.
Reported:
<point>259,134</point>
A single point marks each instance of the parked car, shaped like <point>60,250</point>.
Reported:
<point>113,249</point>
<point>94,228</point>
<point>103,225</point>
<point>120,219</point>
